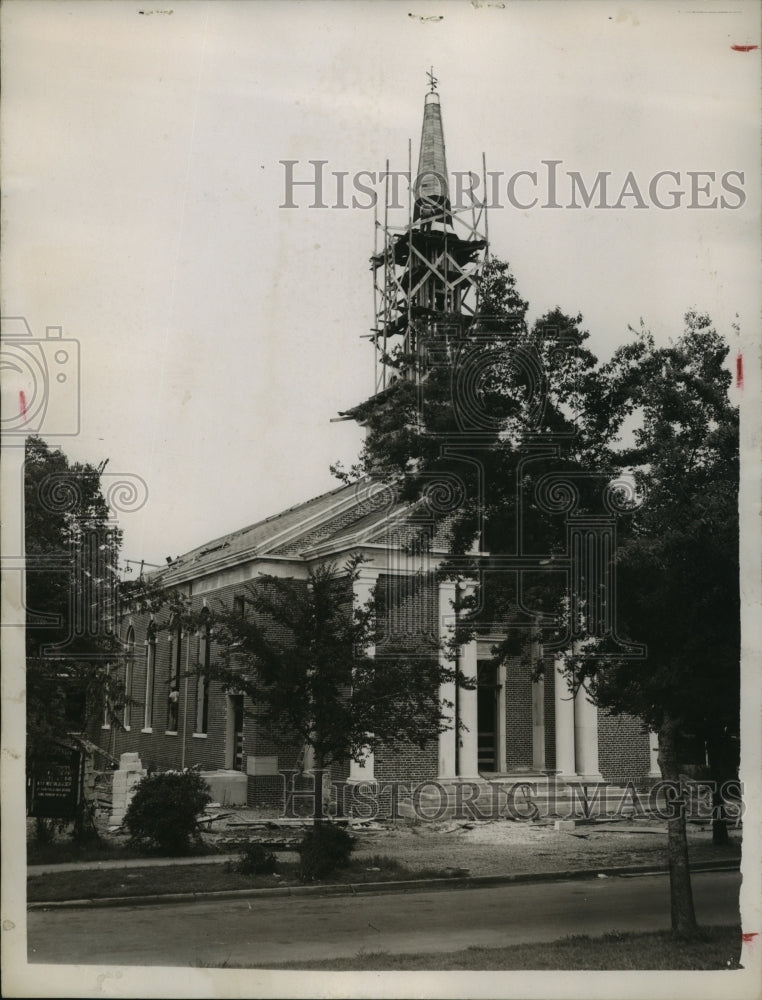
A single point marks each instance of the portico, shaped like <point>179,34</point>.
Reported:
<point>465,752</point>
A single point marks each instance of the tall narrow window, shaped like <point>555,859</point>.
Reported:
<point>239,606</point>
<point>175,659</point>
<point>129,664</point>
<point>202,681</point>
<point>106,724</point>
<point>150,672</point>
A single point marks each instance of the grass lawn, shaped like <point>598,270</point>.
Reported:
<point>714,948</point>
<point>98,849</point>
<point>97,884</point>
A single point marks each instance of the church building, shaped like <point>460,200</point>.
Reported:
<point>514,727</point>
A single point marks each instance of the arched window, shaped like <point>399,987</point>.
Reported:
<point>129,666</point>
<point>106,724</point>
<point>202,679</point>
<point>175,667</point>
<point>150,672</point>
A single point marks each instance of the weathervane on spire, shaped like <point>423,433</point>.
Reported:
<point>432,80</point>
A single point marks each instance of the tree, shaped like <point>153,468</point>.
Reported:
<point>496,408</point>
<point>71,552</point>
<point>550,422</point>
<point>300,651</point>
<point>678,585</point>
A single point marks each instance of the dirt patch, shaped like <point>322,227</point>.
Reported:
<point>502,847</point>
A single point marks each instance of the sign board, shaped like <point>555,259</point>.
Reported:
<point>53,786</point>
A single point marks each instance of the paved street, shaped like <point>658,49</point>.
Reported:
<point>303,928</point>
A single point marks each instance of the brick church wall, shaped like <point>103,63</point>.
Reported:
<point>623,753</point>
<point>408,613</point>
<point>550,717</point>
<point>518,713</point>
<point>162,750</point>
<point>404,762</point>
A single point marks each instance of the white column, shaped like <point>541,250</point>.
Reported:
<point>538,725</point>
<point>654,771</point>
<point>538,711</point>
<point>362,591</point>
<point>564,705</point>
<point>468,754</point>
<point>586,736</point>
<point>447,738</point>
<point>308,764</point>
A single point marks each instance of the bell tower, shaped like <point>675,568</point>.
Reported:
<point>426,273</point>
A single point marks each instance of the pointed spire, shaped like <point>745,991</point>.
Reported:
<point>431,189</point>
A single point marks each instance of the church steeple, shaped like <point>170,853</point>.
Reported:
<point>426,275</point>
<point>431,189</point>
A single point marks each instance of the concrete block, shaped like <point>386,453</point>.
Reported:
<point>130,762</point>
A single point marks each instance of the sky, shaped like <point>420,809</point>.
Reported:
<point>219,332</point>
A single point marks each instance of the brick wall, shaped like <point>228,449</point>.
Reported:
<point>622,748</point>
<point>518,712</point>
<point>160,749</point>
<point>407,614</point>
<point>550,717</point>
<point>405,762</point>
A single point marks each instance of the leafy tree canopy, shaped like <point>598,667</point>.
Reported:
<point>72,550</point>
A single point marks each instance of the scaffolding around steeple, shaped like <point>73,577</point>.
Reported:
<point>425,273</point>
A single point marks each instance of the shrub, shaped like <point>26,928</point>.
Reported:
<point>164,810</point>
<point>323,849</point>
<point>254,859</point>
<point>44,830</point>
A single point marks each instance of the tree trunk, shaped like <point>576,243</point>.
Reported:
<point>720,836</point>
<point>721,768</point>
<point>322,788</point>
<point>680,891</point>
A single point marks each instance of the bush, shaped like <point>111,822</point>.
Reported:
<point>44,830</point>
<point>164,810</point>
<point>323,849</point>
<point>254,859</point>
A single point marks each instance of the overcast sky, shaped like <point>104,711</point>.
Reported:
<point>219,332</point>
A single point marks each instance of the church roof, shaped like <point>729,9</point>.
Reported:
<point>337,515</point>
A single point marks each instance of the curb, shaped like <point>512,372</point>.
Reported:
<point>362,888</point>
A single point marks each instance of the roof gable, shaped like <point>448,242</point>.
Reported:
<point>345,516</point>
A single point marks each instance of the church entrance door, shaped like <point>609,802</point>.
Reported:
<point>488,692</point>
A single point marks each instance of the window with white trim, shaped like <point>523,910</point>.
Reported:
<point>129,665</point>
<point>202,680</point>
<point>173,684</point>
<point>150,676</point>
